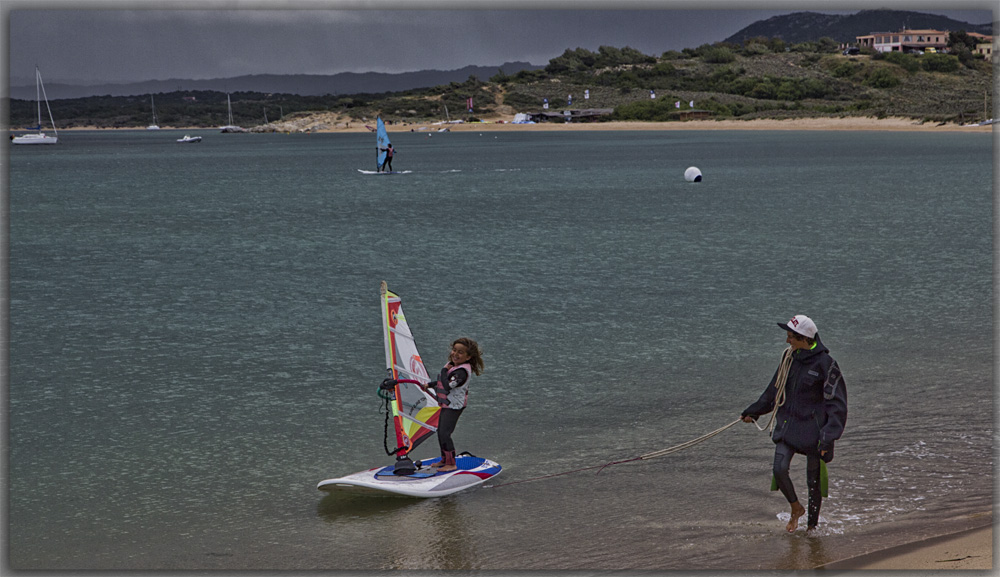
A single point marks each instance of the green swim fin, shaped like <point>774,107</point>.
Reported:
<point>824,481</point>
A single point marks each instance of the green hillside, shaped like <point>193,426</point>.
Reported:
<point>762,78</point>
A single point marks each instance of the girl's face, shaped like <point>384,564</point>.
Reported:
<point>459,354</point>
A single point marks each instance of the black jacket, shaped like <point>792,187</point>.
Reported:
<point>814,413</point>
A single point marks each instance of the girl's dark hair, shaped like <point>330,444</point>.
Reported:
<point>475,353</point>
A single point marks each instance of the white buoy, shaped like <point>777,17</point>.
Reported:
<point>692,174</point>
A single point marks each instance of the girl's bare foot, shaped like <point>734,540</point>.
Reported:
<point>797,511</point>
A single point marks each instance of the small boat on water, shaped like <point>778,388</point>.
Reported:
<point>188,138</point>
<point>39,137</point>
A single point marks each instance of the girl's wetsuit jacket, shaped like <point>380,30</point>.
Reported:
<point>452,386</point>
<point>815,409</point>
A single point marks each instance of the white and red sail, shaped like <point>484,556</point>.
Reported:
<point>415,412</point>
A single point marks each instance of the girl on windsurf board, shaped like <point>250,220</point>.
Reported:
<point>451,390</point>
<point>809,399</point>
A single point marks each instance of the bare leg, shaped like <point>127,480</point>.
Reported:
<point>797,511</point>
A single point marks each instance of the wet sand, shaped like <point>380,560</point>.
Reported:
<point>966,550</point>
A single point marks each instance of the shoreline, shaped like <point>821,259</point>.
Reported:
<point>970,549</point>
<point>340,125</point>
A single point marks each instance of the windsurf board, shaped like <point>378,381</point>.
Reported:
<point>425,482</point>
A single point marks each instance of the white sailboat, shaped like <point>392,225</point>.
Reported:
<point>153,126</point>
<point>231,127</point>
<point>39,137</point>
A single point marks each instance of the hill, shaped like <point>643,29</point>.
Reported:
<point>811,26</point>
<point>300,84</point>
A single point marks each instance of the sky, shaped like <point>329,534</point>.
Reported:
<point>108,41</point>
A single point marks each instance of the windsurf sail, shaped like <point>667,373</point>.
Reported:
<point>383,143</point>
<point>415,412</point>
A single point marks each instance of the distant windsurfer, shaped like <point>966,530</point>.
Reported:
<point>451,389</point>
<point>388,150</point>
<point>811,412</point>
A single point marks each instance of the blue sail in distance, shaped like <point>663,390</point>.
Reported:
<point>383,142</point>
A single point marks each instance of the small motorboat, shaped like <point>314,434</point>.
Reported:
<point>188,138</point>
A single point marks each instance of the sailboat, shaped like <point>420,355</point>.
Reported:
<point>231,127</point>
<point>415,414</point>
<point>153,126</point>
<point>39,137</point>
<point>381,143</point>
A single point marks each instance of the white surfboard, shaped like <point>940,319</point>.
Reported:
<point>387,172</point>
<point>426,482</point>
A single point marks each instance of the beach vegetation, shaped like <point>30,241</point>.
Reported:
<point>907,62</point>
<point>940,63</point>
<point>718,55</point>
<point>881,78</point>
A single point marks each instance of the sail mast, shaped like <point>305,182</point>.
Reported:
<point>38,96</point>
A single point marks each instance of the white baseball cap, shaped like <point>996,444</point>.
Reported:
<point>802,325</point>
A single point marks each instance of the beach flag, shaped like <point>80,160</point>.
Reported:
<point>677,104</point>
<point>586,94</point>
<point>468,103</point>
<point>545,103</point>
<point>691,104</point>
<point>569,99</point>
<point>652,94</point>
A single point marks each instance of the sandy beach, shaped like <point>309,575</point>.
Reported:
<point>332,123</point>
<point>895,124</point>
<point>967,550</point>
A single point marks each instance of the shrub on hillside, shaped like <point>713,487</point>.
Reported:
<point>907,62</point>
<point>881,78</point>
<point>940,63</point>
<point>718,55</point>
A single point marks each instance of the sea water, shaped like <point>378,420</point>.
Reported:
<point>195,343</point>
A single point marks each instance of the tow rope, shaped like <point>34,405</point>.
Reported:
<point>779,400</point>
<point>652,455</point>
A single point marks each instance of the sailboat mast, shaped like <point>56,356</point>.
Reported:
<point>38,95</point>
<point>47,107</point>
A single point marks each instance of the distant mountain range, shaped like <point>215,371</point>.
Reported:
<point>301,84</point>
<point>811,26</point>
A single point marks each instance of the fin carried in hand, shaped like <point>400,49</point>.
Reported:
<point>824,480</point>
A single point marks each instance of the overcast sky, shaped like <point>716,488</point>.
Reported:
<point>85,42</point>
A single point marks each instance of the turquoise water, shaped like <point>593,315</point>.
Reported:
<point>195,343</point>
